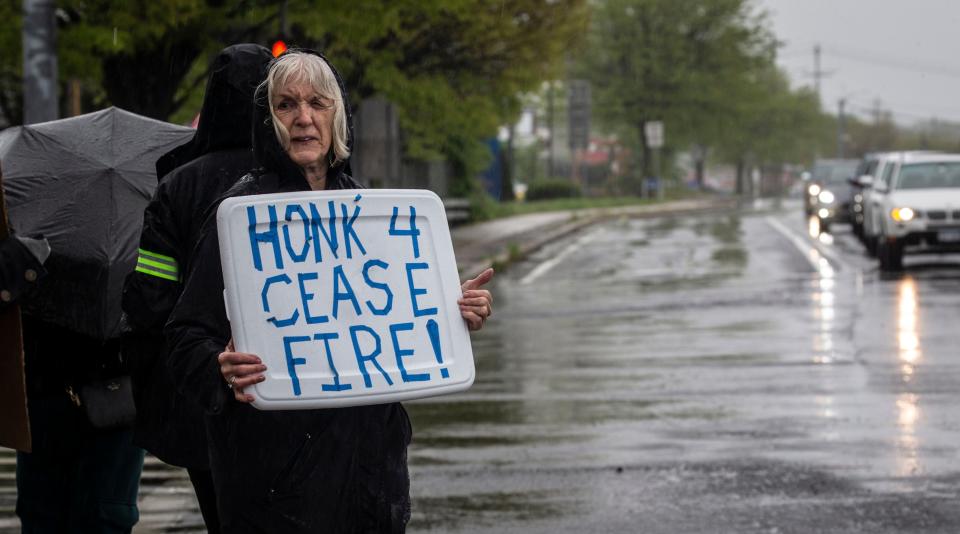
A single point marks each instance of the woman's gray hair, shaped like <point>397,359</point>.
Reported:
<point>296,67</point>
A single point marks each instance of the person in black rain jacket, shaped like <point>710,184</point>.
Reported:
<point>192,177</point>
<point>331,470</point>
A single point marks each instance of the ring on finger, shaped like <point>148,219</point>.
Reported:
<point>232,380</point>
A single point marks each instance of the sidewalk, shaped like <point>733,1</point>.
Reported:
<point>497,242</point>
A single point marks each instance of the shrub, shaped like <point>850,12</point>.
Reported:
<point>482,207</point>
<point>556,188</point>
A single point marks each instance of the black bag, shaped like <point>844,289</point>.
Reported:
<point>109,403</point>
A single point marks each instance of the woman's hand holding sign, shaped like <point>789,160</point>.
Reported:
<point>476,305</point>
<point>240,370</point>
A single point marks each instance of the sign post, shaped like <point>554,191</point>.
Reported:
<point>653,132</point>
<point>349,297</point>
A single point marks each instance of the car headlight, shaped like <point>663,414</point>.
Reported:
<point>826,197</point>
<point>814,190</point>
<point>902,214</point>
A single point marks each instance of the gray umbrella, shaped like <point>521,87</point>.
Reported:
<point>83,183</point>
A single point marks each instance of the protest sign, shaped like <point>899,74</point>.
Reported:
<point>349,297</point>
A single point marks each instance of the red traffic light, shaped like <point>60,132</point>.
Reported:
<point>279,47</point>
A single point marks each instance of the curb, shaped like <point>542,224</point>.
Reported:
<point>510,251</point>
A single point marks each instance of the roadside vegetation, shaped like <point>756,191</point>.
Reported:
<point>461,72</point>
<point>484,208</point>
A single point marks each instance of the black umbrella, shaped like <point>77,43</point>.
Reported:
<point>83,183</point>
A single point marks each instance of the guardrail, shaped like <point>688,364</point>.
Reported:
<point>458,210</point>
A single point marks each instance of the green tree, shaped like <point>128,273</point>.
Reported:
<point>150,57</point>
<point>145,56</point>
<point>878,134</point>
<point>774,124</point>
<point>453,68</point>
<point>678,61</point>
<point>11,80</point>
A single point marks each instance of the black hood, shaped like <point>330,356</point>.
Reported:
<point>227,105</point>
<point>269,156</point>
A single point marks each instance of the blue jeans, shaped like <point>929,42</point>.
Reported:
<point>77,479</point>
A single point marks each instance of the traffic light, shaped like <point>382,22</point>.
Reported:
<point>278,47</point>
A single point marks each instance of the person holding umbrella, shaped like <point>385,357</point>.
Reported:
<point>82,183</point>
<point>192,177</point>
<point>336,470</point>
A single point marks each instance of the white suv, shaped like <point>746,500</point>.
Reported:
<point>917,210</point>
<point>875,186</point>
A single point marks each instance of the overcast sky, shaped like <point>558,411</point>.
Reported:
<point>904,53</point>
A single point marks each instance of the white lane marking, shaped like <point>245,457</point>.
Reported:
<point>799,243</point>
<point>550,263</point>
<point>812,251</point>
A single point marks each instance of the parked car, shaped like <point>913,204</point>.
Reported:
<point>829,192</point>
<point>918,208</point>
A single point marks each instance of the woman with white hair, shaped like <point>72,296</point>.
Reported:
<point>332,470</point>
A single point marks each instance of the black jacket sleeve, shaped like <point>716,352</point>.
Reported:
<point>19,271</point>
<point>198,329</point>
<point>151,291</point>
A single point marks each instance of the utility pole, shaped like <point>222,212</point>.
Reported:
<point>40,98</point>
<point>840,127</point>
<point>817,73</point>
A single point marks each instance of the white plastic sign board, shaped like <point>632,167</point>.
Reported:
<point>349,297</point>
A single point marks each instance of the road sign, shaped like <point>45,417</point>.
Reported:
<point>653,131</point>
<point>349,297</point>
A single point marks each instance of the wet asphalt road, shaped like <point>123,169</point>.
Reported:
<point>719,373</point>
<point>694,374</point>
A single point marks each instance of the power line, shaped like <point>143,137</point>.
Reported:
<point>794,54</point>
<point>893,62</point>
<point>890,63</point>
<point>874,110</point>
<point>817,73</point>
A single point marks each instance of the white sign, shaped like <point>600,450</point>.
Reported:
<point>349,297</point>
<point>653,131</point>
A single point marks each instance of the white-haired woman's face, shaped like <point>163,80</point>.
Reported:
<point>308,118</point>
